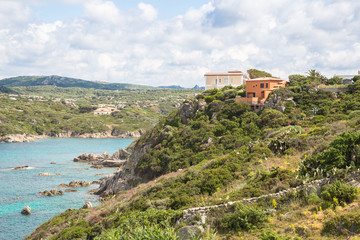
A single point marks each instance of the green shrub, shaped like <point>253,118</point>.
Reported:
<point>243,217</point>
<point>342,224</point>
<point>271,235</point>
<point>153,232</point>
<point>341,153</point>
<point>340,193</point>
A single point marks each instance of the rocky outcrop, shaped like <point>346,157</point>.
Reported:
<point>128,175</point>
<point>18,138</point>
<point>87,205</point>
<point>52,192</point>
<point>71,190</point>
<point>75,184</point>
<point>108,134</point>
<point>103,160</point>
<point>26,210</point>
<point>189,108</point>
<point>48,174</point>
<point>20,168</point>
<point>277,102</point>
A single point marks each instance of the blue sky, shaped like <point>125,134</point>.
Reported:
<point>175,42</point>
<point>56,10</point>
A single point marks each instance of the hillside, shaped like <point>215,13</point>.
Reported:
<point>56,111</point>
<point>6,90</point>
<point>66,82</point>
<point>289,174</point>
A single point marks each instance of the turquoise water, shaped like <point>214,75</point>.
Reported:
<point>20,188</point>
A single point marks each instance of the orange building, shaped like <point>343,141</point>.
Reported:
<point>258,91</point>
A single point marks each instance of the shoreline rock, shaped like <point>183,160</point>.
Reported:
<point>26,210</point>
<point>51,193</point>
<point>21,138</point>
<point>20,167</point>
<point>98,161</point>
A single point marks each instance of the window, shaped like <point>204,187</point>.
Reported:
<point>261,85</point>
<point>231,80</point>
<point>267,85</point>
<point>219,80</point>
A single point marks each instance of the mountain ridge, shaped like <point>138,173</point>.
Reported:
<point>60,81</point>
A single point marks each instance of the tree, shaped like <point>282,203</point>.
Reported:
<point>254,73</point>
<point>316,77</point>
<point>297,80</point>
<point>334,80</point>
<point>356,78</point>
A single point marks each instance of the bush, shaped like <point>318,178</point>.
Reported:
<point>343,152</point>
<point>342,224</point>
<point>340,193</point>
<point>243,217</point>
<point>271,235</point>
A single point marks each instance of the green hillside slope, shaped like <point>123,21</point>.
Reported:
<point>267,175</point>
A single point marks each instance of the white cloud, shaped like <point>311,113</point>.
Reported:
<point>117,45</point>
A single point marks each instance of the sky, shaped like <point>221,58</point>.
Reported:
<point>175,42</point>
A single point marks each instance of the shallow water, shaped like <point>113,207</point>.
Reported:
<point>20,188</point>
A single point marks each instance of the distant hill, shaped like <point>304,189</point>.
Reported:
<point>198,87</point>
<point>23,81</point>
<point>180,87</point>
<point>6,90</point>
<point>172,87</point>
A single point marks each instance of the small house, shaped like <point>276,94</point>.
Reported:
<point>258,91</point>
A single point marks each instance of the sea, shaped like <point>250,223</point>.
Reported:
<point>19,188</point>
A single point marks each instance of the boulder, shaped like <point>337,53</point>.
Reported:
<point>187,110</point>
<point>44,174</point>
<point>121,154</point>
<point>75,184</point>
<point>87,205</point>
<point>26,210</point>
<point>71,190</point>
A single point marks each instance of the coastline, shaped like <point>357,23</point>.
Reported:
<point>22,138</point>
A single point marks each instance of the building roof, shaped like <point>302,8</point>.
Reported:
<point>229,73</point>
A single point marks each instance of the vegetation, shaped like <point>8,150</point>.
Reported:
<point>223,152</point>
<point>52,110</point>
<point>254,73</point>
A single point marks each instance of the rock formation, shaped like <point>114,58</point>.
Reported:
<point>44,174</point>
<point>127,176</point>
<point>87,205</point>
<point>51,193</point>
<point>20,168</point>
<point>71,190</point>
<point>76,184</point>
<point>26,210</point>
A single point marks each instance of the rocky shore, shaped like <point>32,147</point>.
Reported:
<point>117,160</point>
<point>20,138</point>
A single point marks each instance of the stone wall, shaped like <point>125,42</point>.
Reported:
<point>199,214</point>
